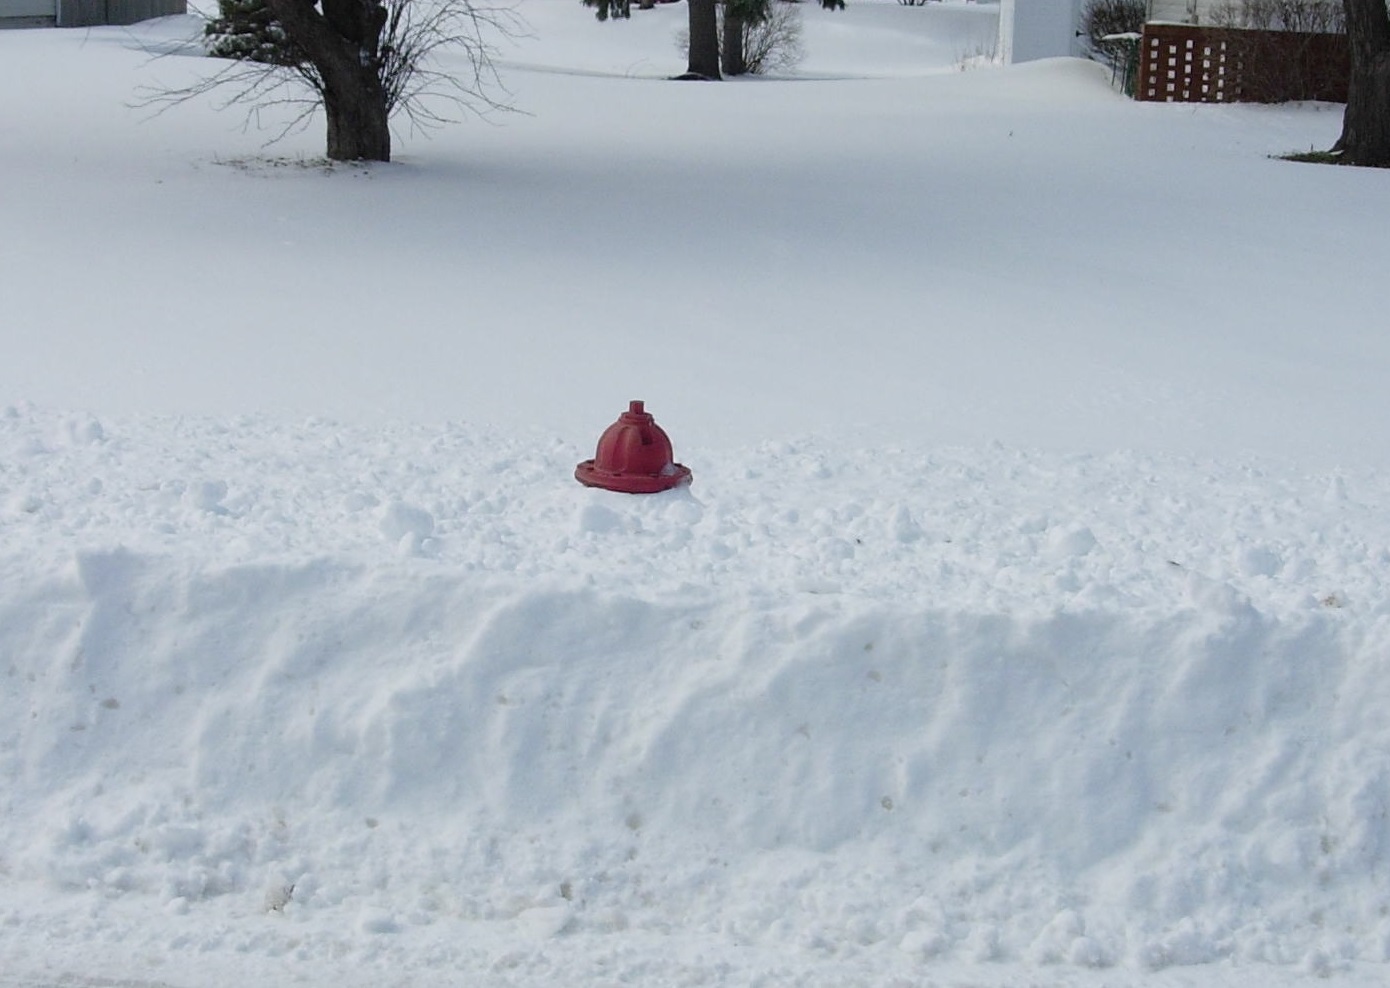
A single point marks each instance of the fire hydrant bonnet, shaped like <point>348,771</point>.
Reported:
<point>634,456</point>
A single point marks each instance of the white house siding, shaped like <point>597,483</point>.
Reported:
<point>1033,29</point>
<point>84,13</point>
<point>26,9</point>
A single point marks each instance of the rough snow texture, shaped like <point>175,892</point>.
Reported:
<point>303,684</point>
<point>299,688</point>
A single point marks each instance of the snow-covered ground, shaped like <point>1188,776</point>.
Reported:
<point>1026,622</point>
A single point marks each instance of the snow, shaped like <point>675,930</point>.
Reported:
<point>1024,623</point>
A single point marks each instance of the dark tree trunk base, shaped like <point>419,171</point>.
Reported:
<point>342,44</point>
<point>731,51</point>
<point>704,39</point>
<point>1365,136</point>
<point>358,127</point>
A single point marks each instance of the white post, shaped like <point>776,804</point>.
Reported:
<point>1006,31</point>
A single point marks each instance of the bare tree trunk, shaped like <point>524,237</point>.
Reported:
<point>358,125</point>
<point>1365,136</point>
<point>342,42</point>
<point>704,40</point>
<point>731,52</point>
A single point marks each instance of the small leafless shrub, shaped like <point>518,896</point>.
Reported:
<point>984,53</point>
<point>1302,16</point>
<point>1102,19</point>
<point>774,44</point>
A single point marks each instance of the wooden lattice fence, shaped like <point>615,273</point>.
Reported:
<point>1184,63</point>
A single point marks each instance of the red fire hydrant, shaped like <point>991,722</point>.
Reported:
<point>634,457</point>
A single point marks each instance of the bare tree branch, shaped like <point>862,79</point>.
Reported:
<point>435,60</point>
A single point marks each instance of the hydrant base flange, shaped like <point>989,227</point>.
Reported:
<point>588,474</point>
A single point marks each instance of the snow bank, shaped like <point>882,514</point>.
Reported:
<point>415,701</point>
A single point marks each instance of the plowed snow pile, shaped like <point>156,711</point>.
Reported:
<point>317,667</point>
<point>414,698</point>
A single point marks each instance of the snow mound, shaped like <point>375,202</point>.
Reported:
<point>1022,723</point>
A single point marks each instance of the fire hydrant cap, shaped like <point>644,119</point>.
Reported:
<point>634,456</point>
